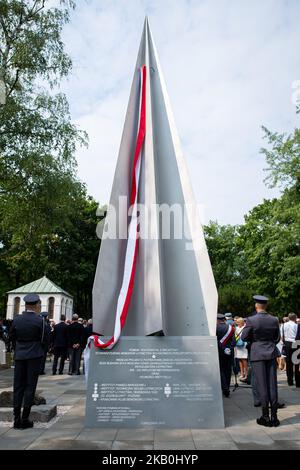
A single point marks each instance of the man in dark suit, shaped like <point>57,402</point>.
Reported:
<point>60,345</point>
<point>262,332</point>
<point>88,331</point>
<point>45,345</point>
<point>28,334</point>
<point>75,345</point>
<point>226,343</point>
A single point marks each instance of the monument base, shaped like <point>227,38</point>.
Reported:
<point>155,382</point>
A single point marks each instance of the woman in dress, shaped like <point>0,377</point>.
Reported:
<point>241,352</point>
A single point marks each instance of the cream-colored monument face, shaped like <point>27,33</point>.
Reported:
<point>174,290</point>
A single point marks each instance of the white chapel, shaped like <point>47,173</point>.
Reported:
<point>54,299</point>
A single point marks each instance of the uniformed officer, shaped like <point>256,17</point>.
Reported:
<point>226,343</point>
<point>28,334</point>
<point>262,332</point>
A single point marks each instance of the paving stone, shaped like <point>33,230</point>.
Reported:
<point>3,430</point>
<point>23,433</point>
<point>173,435</point>
<point>250,434</point>
<point>69,444</point>
<point>209,435</point>
<point>132,445</point>
<point>60,433</point>
<point>287,432</point>
<point>18,439</point>
<point>278,445</point>
<point>182,445</point>
<point>135,435</point>
<point>98,434</point>
<point>218,445</point>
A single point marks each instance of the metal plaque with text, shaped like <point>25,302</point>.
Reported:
<point>155,382</point>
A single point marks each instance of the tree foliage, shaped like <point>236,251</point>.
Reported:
<point>37,138</point>
<point>43,206</point>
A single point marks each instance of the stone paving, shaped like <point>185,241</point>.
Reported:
<point>69,432</point>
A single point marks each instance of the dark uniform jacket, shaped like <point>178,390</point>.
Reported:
<point>222,329</point>
<point>60,335</point>
<point>88,331</point>
<point>298,333</point>
<point>27,335</point>
<point>75,334</point>
<point>262,332</point>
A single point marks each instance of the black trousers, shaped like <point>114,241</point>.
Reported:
<point>225,371</point>
<point>62,354</point>
<point>291,368</point>
<point>74,364</point>
<point>43,363</point>
<point>26,374</point>
<point>265,375</point>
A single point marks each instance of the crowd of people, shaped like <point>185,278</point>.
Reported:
<point>64,342</point>
<point>67,340</point>
<point>253,349</point>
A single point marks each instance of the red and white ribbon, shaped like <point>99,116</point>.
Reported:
<point>133,238</point>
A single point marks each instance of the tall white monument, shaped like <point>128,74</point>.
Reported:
<point>174,289</point>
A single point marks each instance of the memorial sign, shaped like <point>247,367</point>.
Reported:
<point>155,382</point>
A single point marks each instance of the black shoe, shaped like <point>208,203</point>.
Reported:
<point>264,420</point>
<point>17,423</point>
<point>257,405</point>
<point>53,373</point>
<point>42,373</point>
<point>274,420</point>
<point>60,373</point>
<point>290,384</point>
<point>26,424</point>
<point>226,394</point>
<point>78,373</point>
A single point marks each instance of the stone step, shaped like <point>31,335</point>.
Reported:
<point>7,399</point>
<point>41,413</point>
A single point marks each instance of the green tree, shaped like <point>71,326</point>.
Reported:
<point>37,139</point>
<point>283,159</point>
<point>226,253</point>
<point>229,267</point>
<point>271,233</point>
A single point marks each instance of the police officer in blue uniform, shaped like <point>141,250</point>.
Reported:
<point>262,332</point>
<point>226,343</point>
<point>28,334</point>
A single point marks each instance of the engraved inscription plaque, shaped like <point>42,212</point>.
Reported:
<point>155,382</point>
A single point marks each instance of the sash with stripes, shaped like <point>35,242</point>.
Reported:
<point>228,335</point>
